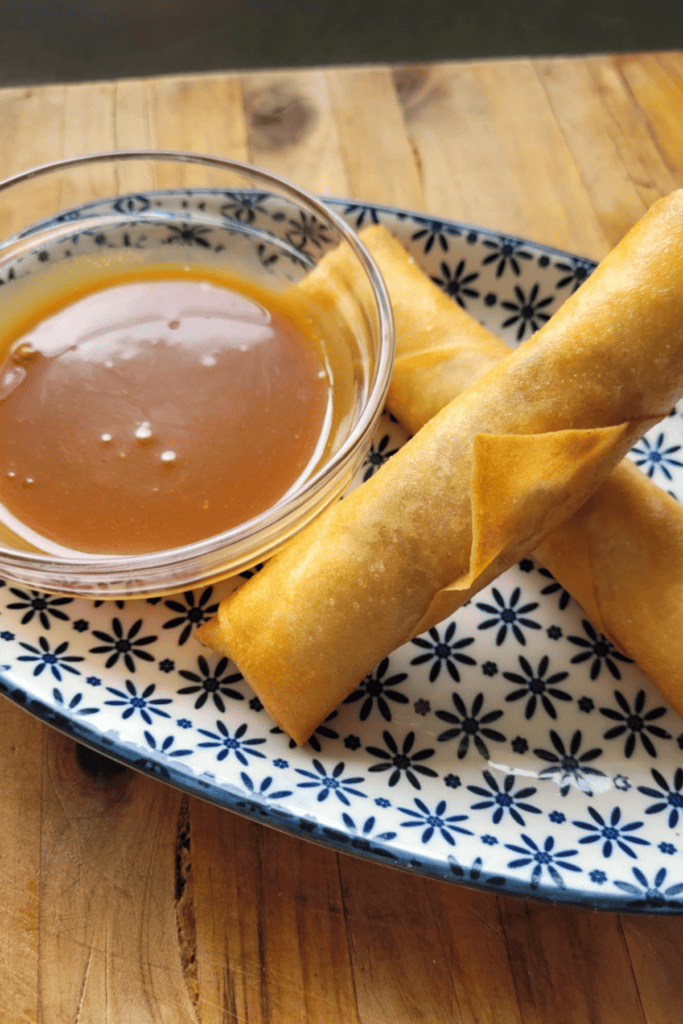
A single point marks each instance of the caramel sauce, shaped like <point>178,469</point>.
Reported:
<point>154,410</point>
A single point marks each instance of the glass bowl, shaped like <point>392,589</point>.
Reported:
<point>193,208</point>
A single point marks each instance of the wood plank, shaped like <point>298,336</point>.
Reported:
<point>637,149</point>
<point>202,114</point>
<point>655,946</point>
<point>556,204</point>
<point>380,163</point>
<point>109,949</point>
<point>585,121</point>
<point>24,114</point>
<point>464,172</point>
<point>425,951</point>
<point>292,130</point>
<point>487,132</point>
<point>21,746</point>
<point>570,965</point>
<point>271,942</point>
<point>656,85</point>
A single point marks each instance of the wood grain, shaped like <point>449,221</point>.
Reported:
<point>125,901</point>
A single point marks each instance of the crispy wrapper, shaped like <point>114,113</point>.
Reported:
<point>620,555</point>
<point>479,486</point>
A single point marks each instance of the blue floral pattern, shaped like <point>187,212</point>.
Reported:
<point>494,731</point>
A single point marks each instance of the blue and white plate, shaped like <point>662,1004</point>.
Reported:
<point>512,748</point>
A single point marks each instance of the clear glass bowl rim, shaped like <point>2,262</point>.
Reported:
<point>101,568</point>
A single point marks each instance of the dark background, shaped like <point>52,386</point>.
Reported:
<point>74,40</point>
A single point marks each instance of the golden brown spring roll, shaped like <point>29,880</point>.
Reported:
<point>621,554</point>
<point>476,488</point>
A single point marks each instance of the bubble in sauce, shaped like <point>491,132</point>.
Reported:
<point>144,431</point>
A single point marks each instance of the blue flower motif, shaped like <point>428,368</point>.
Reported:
<point>236,744</point>
<point>635,724</point>
<point>93,681</point>
<point>166,746</point>
<point>621,782</point>
<point>527,311</point>
<point>280,762</point>
<point>127,646</point>
<point>264,791</point>
<point>452,781</point>
<point>598,877</point>
<point>243,206</point>
<point>361,213</point>
<point>377,688</point>
<point>434,821</point>
<point>557,817</point>
<point>575,272</point>
<point>367,828</point>
<point>667,797</point>
<point>443,652</point>
<point>489,840</point>
<point>332,783</point>
<point>56,661</point>
<point>474,873</point>
<point>381,801</point>
<point>505,252</point>
<point>308,229</point>
<point>597,647</point>
<point>377,456</point>
<point>211,682</point>
<point>34,602</point>
<point>567,766</point>
<point>73,704</point>
<point>166,665</point>
<point>403,760</point>
<point>470,725</point>
<point>457,283</point>
<point>323,730</point>
<point>585,704</point>
<point>611,834</point>
<point>656,457</point>
<point>433,231</point>
<point>184,723</point>
<point>188,234</point>
<point>519,745</point>
<point>553,587</point>
<point>143,702</point>
<point>6,635</point>
<point>131,204</point>
<point>489,668</point>
<point>502,800</point>
<point>652,897</point>
<point>508,616</point>
<point>536,687</point>
<point>190,614</point>
<point>667,848</point>
<point>542,859</point>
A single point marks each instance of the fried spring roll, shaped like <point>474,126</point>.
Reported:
<point>479,486</point>
<point>621,554</point>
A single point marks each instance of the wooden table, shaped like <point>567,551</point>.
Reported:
<point>125,901</point>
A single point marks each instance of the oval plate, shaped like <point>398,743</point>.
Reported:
<point>511,749</point>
